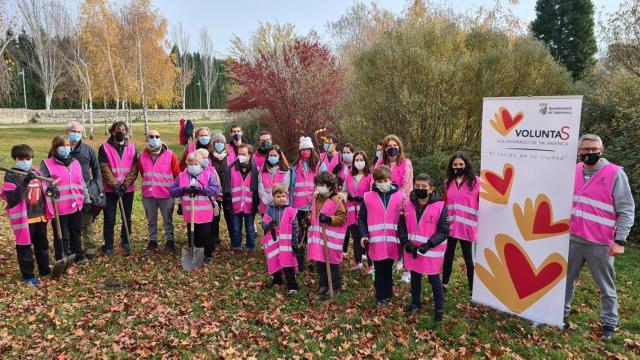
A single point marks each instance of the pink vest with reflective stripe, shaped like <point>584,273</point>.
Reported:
<point>593,216</point>
<point>303,188</point>
<point>354,207</point>
<point>268,184</point>
<point>203,206</point>
<point>231,154</point>
<point>335,235</point>
<point>278,251</point>
<point>71,185</point>
<point>462,208</point>
<point>382,224</point>
<point>419,233</point>
<point>119,166</point>
<point>329,164</point>
<point>18,214</point>
<point>397,172</point>
<point>241,195</point>
<point>156,176</point>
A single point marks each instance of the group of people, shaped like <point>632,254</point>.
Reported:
<point>309,209</point>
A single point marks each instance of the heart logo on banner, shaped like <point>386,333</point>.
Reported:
<point>504,122</point>
<point>514,279</point>
<point>536,222</point>
<point>497,187</point>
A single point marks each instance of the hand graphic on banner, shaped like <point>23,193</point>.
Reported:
<point>536,222</point>
<point>497,187</point>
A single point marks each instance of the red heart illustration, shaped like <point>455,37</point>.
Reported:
<point>525,280</point>
<point>508,121</point>
<point>501,184</point>
<point>542,223</point>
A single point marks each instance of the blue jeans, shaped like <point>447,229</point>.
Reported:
<point>249,229</point>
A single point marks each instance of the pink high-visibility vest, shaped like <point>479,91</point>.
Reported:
<point>593,216</point>
<point>71,185</point>
<point>382,224</point>
<point>268,184</point>
<point>324,159</point>
<point>419,233</point>
<point>156,176</point>
<point>120,167</point>
<point>397,171</point>
<point>241,195</point>
<point>303,188</point>
<point>259,159</point>
<point>335,234</point>
<point>462,208</point>
<point>231,154</point>
<point>204,210</point>
<point>363,186</point>
<point>278,251</point>
<point>191,147</point>
<point>18,217</point>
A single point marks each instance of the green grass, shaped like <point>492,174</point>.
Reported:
<point>223,310</point>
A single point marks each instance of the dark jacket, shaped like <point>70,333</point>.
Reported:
<point>362,216</point>
<point>107,175</point>
<point>88,159</point>
<point>275,213</point>
<point>226,185</point>
<point>442,229</point>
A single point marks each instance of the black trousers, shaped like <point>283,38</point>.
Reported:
<point>300,255</point>
<point>201,237</point>
<point>383,280</point>
<point>358,250</point>
<point>436,287</point>
<point>215,225</point>
<point>38,234</point>
<point>110,212</point>
<point>71,226</point>
<point>289,277</point>
<point>336,279</point>
<point>345,244</point>
<point>467,253</point>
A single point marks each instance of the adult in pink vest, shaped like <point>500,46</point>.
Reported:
<point>280,239</point>
<point>73,195</point>
<point>275,171</point>
<point>346,161</point>
<point>201,185</point>
<point>462,194</point>
<point>301,185</point>
<point>423,235</point>
<point>330,158</point>
<point>119,166</point>
<point>357,182</point>
<point>28,210</point>
<point>240,193</point>
<point>158,166</point>
<point>235,140</point>
<point>602,216</point>
<point>202,141</point>
<point>265,145</point>
<point>219,158</point>
<point>378,222</point>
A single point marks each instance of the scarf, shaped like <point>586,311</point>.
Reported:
<point>155,151</point>
<point>66,160</point>
<point>219,156</point>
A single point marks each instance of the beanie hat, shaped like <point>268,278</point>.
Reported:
<point>305,143</point>
<point>218,137</point>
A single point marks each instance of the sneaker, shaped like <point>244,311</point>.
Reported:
<point>438,315</point>
<point>32,281</point>
<point>207,260</point>
<point>608,332</point>
<point>152,245</point>
<point>368,270</point>
<point>381,303</point>
<point>126,248</point>
<point>399,265</point>
<point>445,288</point>
<point>293,292</point>
<point>251,252</point>
<point>326,296</point>
<point>108,252</point>
<point>322,290</point>
<point>406,277</point>
<point>237,252</point>
<point>91,256</point>
<point>356,267</point>
<point>412,308</point>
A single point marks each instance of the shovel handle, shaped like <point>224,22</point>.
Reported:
<point>57,218</point>
<point>124,218</point>
<point>24,173</point>
<point>326,259</point>
<point>193,220</point>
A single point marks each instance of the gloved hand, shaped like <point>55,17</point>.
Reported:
<point>53,192</point>
<point>192,191</point>
<point>408,247</point>
<point>294,248</point>
<point>424,247</point>
<point>273,224</point>
<point>349,197</point>
<point>121,190</point>
<point>337,168</point>
<point>324,219</point>
<point>358,199</point>
<point>27,178</point>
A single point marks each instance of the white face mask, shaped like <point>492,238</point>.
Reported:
<point>243,159</point>
<point>384,186</point>
<point>322,189</point>
<point>359,164</point>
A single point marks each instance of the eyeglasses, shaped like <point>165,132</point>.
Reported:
<point>589,150</point>
<point>154,136</point>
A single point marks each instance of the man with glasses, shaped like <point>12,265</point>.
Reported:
<point>602,216</point>
<point>158,166</point>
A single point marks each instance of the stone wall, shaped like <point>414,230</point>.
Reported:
<point>21,116</point>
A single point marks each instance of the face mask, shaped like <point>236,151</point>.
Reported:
<point>194,170</point>
<point>590,158</point>
<point>204,163</point>
<point>322,189</point>
<point>379,154</point>
<point>154,143</point>
<point>119,136</point>
<point>237,136</point>
<point>384,187</point>
<point>274,159</point>
<point>393,151</point>
<point>327,147</point>
<point>458,171</point>
<point>266,145</point>
<point>347,157</point>
<point>243,159</point>
<point>305,154</point>
<point>219,147</point>
<point>63,151</point>
<point>421,193</point>
<point>24,165</point>
<point>359,164</point>
<point>204,140</point>
<point>74,136</point>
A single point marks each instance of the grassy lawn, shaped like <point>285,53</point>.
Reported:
<point>222,310</point>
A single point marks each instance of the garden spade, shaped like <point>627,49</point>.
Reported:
<point>192,256</point>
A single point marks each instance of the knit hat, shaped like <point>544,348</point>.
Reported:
<point>218,137</point>
<point>305,143</point>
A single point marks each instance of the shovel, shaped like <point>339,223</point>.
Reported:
<point>124,220</point>
<point>192,256</point>
<point>61,266</point>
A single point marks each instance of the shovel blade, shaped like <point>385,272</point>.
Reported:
<point>192,257</point>
<point>70,260</point>
<point>59,268</point>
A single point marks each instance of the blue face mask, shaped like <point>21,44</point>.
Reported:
<point>24,165</point>
<point>274,159</point>
<point>154,143</point>
<point>74,136</point>
<point>204,140</point>
<point>219,147</point>
<point>347,157</point>
<point>64,151</point>
<point>204,163</point>
<point>327,147</point>
<point>194,170</point>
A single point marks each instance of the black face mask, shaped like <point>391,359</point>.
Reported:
<point>393,151</point>
<point>119,136</point>
<point>590,158</point>
<point>266,145</point>
<point>458,171</point>
<point>421,193</point>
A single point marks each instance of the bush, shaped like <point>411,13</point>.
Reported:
<point>435,165</point>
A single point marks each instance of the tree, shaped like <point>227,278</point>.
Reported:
<point>208,61</point>
<point>7,30</point>
<point>566,26</point>
<point>181,41</point>
<point>268,37</point>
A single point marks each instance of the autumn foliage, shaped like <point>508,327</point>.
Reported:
<point>298,85</point>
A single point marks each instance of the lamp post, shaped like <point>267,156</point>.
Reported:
<point>24,88</point>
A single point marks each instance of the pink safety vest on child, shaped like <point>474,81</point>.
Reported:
<point>429,263</point>
<point>363,186</point>
<point>156,176</point>
<point>71,185</point>
<point>18,214</point>
<point>329,164</point>
<point>593,215</point>
<point>335,235</point>
<point>119,166</point>
<point>382,224</point>
<point>397,171</point>
<point>278,251</point>
<point>268,184</point>
<point>204,210</point>
<point>462,208</point>
<point>303,188</point>
<point>241,195</point>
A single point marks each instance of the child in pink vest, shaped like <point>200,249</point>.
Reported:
<point>357,182</point>
<point>29,210</point>
<point>274,171</point>
<point>423,235</point>
<point>280,239</point>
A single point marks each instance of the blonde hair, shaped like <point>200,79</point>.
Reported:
<point>194,156</point>
<point>204,153</point>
